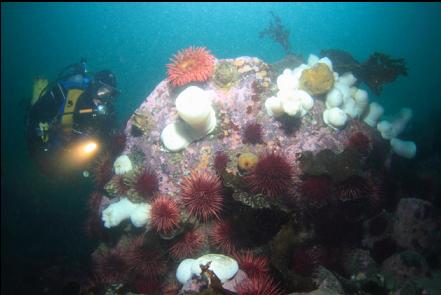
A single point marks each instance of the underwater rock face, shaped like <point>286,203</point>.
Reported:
<point>414,225</point>
<point>403,267</point>
<point>241,104</point>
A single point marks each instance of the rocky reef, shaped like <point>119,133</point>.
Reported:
<point>252,169</point>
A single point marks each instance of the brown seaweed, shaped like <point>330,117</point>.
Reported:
<point>278,33</point>
<point>380,69</point>
<point>342,61</point>
<point>377,71</point>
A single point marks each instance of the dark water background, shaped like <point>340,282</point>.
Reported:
<point>42,220</point>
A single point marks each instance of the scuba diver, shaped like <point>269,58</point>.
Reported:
<point>70,118</point>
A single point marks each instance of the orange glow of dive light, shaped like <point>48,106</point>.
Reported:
<point>82,152</point>
<point>89,147</point>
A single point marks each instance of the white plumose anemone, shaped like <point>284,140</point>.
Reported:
<point>115,213</point>
<point>334,98</point>
<point>199,119</point>
<point>289,100</point>
<point>122,165</point>
<point>374,113</point>
<point>405,149</point>
<point>335,118</point>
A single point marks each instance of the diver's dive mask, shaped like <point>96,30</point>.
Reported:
<point>106,92</point>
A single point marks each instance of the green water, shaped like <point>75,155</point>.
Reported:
<point>41,219</point>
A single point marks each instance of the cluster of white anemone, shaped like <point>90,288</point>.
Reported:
<point>343,101</point>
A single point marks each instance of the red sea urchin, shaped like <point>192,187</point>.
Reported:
<point>272,175</point>
<point>252,265</point>
<point>202,195</point>
<point>188,244</point>
<point>316,189</point>
<point>170,288</point>
<point>110,266</point>
<point>93,227</point>
<point>94,224</point>
<point>260,285</point>
<point>144,260</point>
<point>306,259</point>
<point>118,143</point>
<point>148,285</point>
<point>353,188</point>
<point>146,183</point>
<point>359,142</point>
<point>94,202</point>
<point>252,133</point>
<point>222,236</point>
<point>102,169</point>
<point>164,214</point>
<point>191,64</point>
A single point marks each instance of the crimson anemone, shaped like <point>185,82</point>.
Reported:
<point>189,65</point>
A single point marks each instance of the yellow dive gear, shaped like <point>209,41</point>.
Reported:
<point>38,89</point>
<point>69,108</point>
